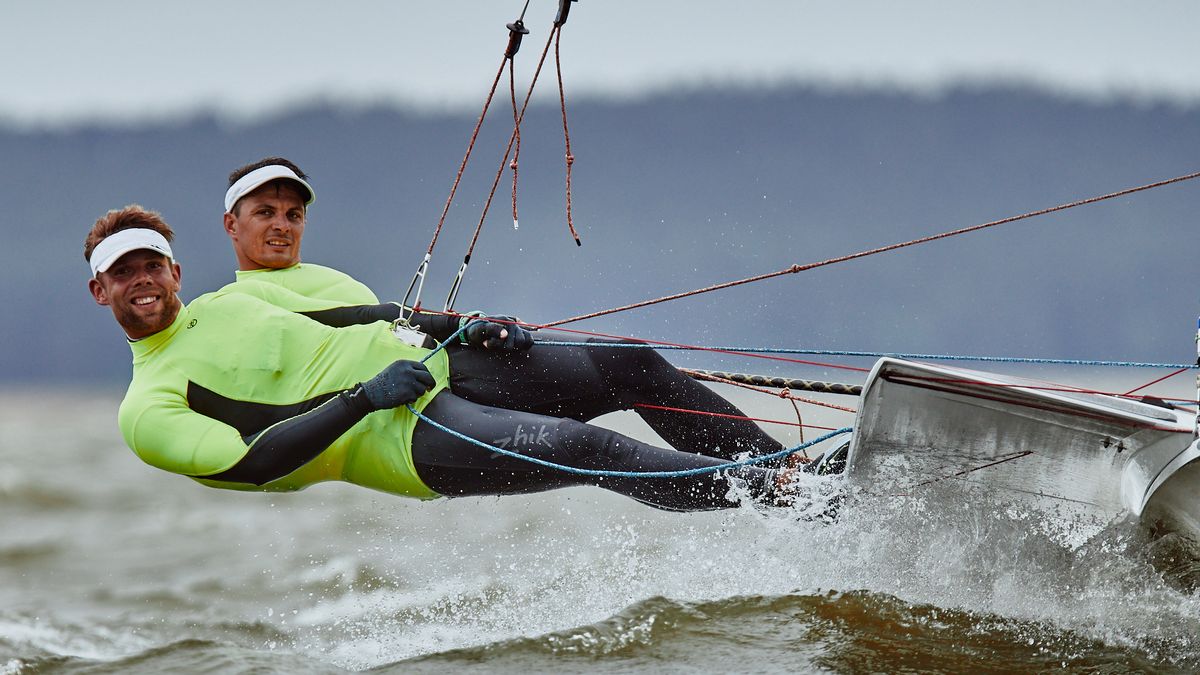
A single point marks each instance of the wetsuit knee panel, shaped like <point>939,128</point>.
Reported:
<point>632,372</point>
<point>597,446</point>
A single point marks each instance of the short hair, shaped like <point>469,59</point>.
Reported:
<point>130,217</point>
<point>265,161</point>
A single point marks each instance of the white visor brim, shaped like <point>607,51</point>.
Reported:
<point>118,244</point>
<point>256,178</point>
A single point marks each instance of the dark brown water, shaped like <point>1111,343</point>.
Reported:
<point>107,566</point>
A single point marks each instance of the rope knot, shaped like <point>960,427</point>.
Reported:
<point>570,159</point>
<point>513,165</point>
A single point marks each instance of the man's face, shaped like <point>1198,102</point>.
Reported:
<point>141,288</point>
<point>267,227</point>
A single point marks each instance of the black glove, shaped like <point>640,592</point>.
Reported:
<point>401,382</point>
<point>488,332</point>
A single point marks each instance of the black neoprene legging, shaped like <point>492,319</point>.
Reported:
<point>537,402</point>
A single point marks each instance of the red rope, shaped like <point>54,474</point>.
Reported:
<point>1035,406</point>
<point>769,357</point>
<point>862,254</point>
<point>487,204</point>
<point>562,102</point>
<point>470,146</point>
<point>1164,377</point>
<point>727,415</point>
<point>1063,388</point>
<point>512,89</point>
<point>787,394</point>
<point>772,357</point>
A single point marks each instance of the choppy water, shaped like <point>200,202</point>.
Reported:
<point>108,566</point>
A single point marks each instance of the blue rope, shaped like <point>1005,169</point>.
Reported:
<point>630,474</point>
<point>601,472</point>
<point>827,352</point>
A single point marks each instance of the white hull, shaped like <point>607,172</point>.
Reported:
<point>920,425</point>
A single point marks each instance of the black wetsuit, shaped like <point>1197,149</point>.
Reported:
<point>537,403</point>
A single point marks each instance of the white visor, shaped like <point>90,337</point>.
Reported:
<point>116,245</point>
<point>251,181</point>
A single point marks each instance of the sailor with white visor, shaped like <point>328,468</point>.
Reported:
<point>261,176</point>
<point>112,248</point>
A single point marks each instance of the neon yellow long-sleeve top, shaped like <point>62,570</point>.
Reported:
<point>232,364</point>
<point>316,282</point>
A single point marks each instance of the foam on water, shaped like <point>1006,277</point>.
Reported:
<point>583,568</point>
<point>578,558</point>
<point>130,561</point>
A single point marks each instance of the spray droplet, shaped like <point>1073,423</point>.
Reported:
<point>516,225</point>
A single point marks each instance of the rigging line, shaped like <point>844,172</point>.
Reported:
<point>462,270</point>
<point>753,382</point>
<point>1164,377</point>
<point>786,452</point>
<point>765,353</point>
<point>642,343</point>
<point>512,90</point>
<point>1061,388</point>
<point>800,421</point>
<point>967,357</point>
<point>862,254</point>
<point>517,31</point>
<point>418,281</point>
<point>564,8</point>
<point>785,394</point>
<point>562,102</point>
<point>834,387</point>
<point>628,474</point>
<point>776,382</point>
<point>511,141</point>
<point>467,156</point>
<point>916,382</point>
<point>729,416</point>
<point>973,469</point>
<point>746,351</point>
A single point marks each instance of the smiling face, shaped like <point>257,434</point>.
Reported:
<point>142,289</point>
<point>266,226</point>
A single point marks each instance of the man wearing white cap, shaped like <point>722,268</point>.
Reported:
<point>266,214</point>
<point>239,393</point>
<point>141,290</point>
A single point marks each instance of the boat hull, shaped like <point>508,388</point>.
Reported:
<point>921,425</point>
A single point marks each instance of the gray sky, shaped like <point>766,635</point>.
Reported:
<point>65,62</point>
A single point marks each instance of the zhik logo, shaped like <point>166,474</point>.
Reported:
<point>538,436</point>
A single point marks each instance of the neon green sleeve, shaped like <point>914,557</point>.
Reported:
<point>167,434</point>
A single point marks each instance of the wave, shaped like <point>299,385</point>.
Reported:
<point>184,656</point>
<point>857,631</point>
<point>844,632</point>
